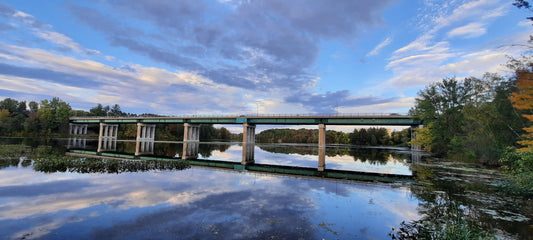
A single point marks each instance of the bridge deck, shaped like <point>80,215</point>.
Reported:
<point>363,119</point>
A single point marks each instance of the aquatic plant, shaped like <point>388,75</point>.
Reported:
<point>520,166</point>
<point>8,152</point>
<point>93,165</point>
<point>443,219</point>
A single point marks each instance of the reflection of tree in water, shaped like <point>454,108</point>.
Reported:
<point>443,218</point>
<point>371,155</point>
<point>207,149</point>
<point>459,204</point>
<point>171,150</point>
<point>290,149</point>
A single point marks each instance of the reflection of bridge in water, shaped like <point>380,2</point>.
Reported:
<point>146,130</point>
<point>252,167</point>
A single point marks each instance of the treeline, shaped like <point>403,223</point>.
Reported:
<point>477,118</point>
<point>18,118</point>
<point>50,117</point>
<point>369,137</point>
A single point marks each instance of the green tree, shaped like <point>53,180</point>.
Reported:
<point>34,106</point>
<point>99,110</point>
<point>115,111</point>
<point>54,115</point>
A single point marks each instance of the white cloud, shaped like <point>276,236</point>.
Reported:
<point>430,57</point>
<point>383,44</point>
<point>525,23</point>
<point>391,107</point>
<point>471,30</point>
<point>62,40</point>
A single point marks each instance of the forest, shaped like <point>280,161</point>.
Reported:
<point>363,137</point>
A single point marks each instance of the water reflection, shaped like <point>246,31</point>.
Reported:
<point>212,203</point>
<point>190,150</point>
<point>248,153</point>
<point>76,143</point>
<point>463,201</point>
<point>143,147</point>
<point>194,204</point>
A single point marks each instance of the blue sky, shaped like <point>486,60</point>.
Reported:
<point>238,57</point>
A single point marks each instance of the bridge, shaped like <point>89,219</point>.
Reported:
<point>146,129</point>
<point>272,119</point>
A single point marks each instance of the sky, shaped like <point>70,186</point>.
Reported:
<point>221,57</point>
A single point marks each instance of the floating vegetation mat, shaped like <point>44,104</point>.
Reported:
<point>10,152</point>
<point>94,165</point>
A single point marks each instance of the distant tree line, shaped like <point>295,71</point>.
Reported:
<point>367,137</point>
<point>18,118</point>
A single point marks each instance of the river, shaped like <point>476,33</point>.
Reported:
<point>214,203</point>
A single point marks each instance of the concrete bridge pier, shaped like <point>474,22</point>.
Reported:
<point>248,143</point>
<point>144,143</point>
<point>144,148</point>
<point>107,145</point>
<point>145,132</point>
<point>191,132</point>
<point>76,143</point>
<point>77,129</point>
<point>321,147</point>
<point>107,138</point>
<point>321,159</point>
<point>190,150</point>
<point>191,141</point>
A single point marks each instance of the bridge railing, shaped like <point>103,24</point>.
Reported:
<point>254,115</point>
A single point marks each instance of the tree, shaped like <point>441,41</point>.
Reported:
<point>115,111</point>
<point>444,103</point>
<point>34,106</point>
<point>98,111</point>
<point>4,121</point>
<point>522,100</point>
<point>54,115</point>
<point>424,137</point>
<point>523,4</point>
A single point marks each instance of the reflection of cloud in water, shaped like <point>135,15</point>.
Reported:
<point>193,203</point>
<point>392,165</point>
<point>383,161</point>
<point>232,154</point>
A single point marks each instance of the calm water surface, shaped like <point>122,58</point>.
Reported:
<point>208,203</point>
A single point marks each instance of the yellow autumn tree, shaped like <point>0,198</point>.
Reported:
<point>522,100</point>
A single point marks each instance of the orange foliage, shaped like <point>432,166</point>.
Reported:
<point>522,99</point>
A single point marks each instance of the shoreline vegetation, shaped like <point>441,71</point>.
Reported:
<point>47,160</point>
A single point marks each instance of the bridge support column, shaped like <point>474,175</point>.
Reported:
<point>248,143</point>
<point>321,135</point>
<point>145,132</point>
<point>144,143</point>
<point>107,138</point>
<point>321,159</point>
<point>74,143</point>
<point>190,150</point>
<point>77,129</point>
<point>321,147</point>
<point>144,147</point>
<point>191,132</point>
<point>191,141</point>
<point>414,130</point>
